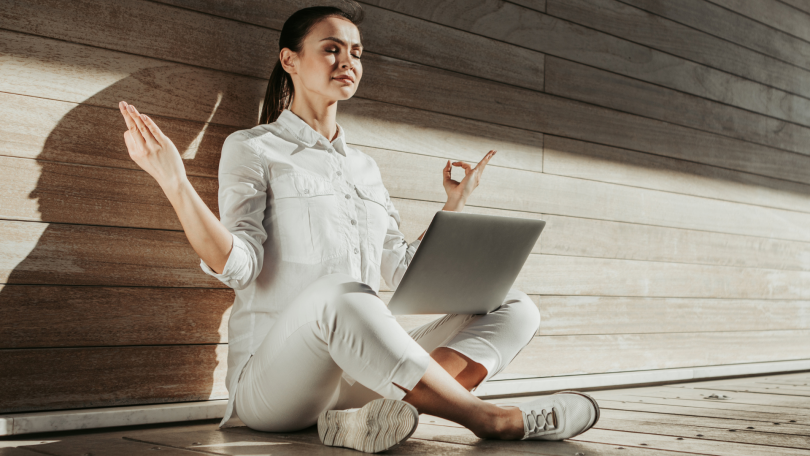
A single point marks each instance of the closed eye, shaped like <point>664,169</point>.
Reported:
<point>336,51</point>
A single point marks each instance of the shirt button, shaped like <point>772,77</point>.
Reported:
<point>354,222</point>
<point>347,196</point>
<point>356,250</point>
<point>339,173</point>
<point>306,190</point>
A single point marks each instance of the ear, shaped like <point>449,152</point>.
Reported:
<point>288,60</point>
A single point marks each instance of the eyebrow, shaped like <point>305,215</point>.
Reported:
<point>342,42</point>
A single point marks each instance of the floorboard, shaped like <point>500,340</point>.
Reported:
<point>763,415</point>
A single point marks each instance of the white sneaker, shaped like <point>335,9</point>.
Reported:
<point>558,416</point>
<point>377,426</point>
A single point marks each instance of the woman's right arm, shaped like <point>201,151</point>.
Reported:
<point>230,250</point>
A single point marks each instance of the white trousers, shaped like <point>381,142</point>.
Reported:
<point>339,325</point>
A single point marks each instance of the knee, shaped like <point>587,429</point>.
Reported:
<point>524,315</point>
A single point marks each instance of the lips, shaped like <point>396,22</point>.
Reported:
<point>345,78</point>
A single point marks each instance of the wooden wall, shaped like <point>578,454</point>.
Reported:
<point>667,144</point>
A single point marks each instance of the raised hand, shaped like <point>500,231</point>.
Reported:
<point>151,149</point>
<point>460,191</point>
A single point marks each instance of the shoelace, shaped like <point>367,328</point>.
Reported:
<point>542,422</point>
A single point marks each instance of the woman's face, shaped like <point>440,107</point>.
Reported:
<point>328,64</point>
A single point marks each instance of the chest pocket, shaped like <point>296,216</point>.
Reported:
<point>304,212</point>
<point>373,197</point>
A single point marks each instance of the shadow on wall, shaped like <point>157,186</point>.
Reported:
<point>107,302</point>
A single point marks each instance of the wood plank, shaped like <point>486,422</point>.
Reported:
<point>552,275</point>
<point>549,35</point>
<point>239,441</point>
<point>421,87</point>
<point>654,426</point>
<point>801,5</point>
<point>71,316</point>
<point>749,429</point>
<point>770,413</point>
<point>74,73</point>
<point>584,83</point>
<point>405,176</point>
<point>699,394</point>
<point>654,438</point>
<point>107,444</point>
<point>728,415</point>
<point>186,36</point>
<point>63,193</point>
<point>64,316</point>
<point>619,131</point>
<point>576,236</point>
<point>568,157</point>
<point>57,131</point>
<point>139,374</point>
<point>773,13</point>
<point>248,46</point>
<point>568,315</point>
<point>733,27</point>
<point>462,436</point>
<point>60,254</point>
<point>45,129</point>
<point>659,33</point>
<point>382,30</point>
<point>55,192</point>
<point>551,355</point>
<point>34,379</point>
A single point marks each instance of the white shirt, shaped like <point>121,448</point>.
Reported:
<point>298,207</point>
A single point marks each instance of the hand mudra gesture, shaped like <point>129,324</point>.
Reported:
<point>472,176</point>
<point>150,148</point>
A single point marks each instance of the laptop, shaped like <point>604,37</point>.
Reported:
<point>465,264</point>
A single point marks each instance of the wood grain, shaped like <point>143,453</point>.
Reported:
<point>59,70</point>
<point>551,355</point>
<point>773,13</point>
<point>549,35</point>
<point>70,316</point>
<point>62,254</point>
<point>421,87</point>
<point>397,35</point>
<point>49,130</point>
<point>409,176</point>
<point>733,27</point>
<point>568,157</point>
<point>580,82</point>
<point>659,33</point>
<point>90,195</point>
<point>38,379</point>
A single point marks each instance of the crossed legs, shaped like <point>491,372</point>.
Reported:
<point>339,327</point>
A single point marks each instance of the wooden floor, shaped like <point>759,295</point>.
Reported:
<point>766,415</point>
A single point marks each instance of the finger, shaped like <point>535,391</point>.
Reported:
<point>466,166</point>
<point>145,133</point>
<point>127,118</point>
<point>483,163</point>
<point>153,128</point>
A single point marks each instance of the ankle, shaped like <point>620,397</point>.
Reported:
<point>501,423</point>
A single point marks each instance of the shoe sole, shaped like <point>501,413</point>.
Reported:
<point>377,426</point>
<point>595,406</point>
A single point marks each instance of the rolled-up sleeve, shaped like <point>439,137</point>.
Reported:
<point>242,201</point>
<point>397,253</point>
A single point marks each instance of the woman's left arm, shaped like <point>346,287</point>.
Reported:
<point>457,192</point>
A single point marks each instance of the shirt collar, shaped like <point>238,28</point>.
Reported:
<point>306,135</point>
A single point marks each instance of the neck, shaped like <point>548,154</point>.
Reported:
<point>320,115</point>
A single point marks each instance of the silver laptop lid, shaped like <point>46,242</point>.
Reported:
<point>465,264</point>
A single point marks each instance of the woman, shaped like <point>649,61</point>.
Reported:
<point>307,230</point>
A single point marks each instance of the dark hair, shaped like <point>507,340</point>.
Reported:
<point>280,88</point>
